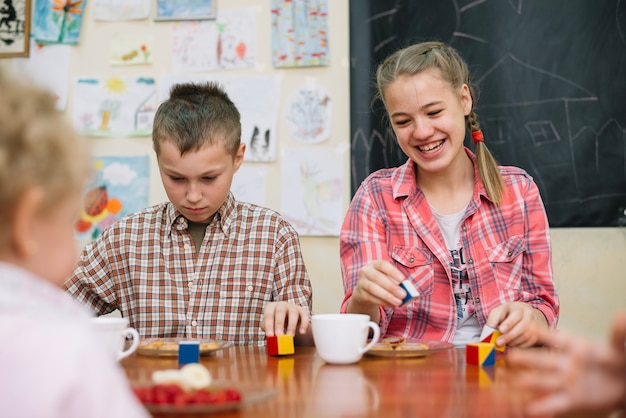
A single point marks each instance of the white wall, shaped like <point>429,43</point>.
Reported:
<point>589,264</point>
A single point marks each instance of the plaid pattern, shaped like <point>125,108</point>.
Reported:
<point>507,250</point>
<point>145,265</point>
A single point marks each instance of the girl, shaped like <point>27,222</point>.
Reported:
<point>472,237</point>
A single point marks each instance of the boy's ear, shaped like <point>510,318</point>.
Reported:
<point>27,210</point>
<point>239,156</point>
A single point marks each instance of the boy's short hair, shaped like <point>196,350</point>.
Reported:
<point>195,115</point>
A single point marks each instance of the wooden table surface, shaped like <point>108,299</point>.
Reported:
<point>302,385</point>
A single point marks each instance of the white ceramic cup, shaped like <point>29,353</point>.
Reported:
<point>112,333</point>
<point>342,338</point>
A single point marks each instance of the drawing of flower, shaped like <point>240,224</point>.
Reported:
<point>144,50</point>
<point>67,8</point>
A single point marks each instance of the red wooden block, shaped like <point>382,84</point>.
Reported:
<point>280,345</point>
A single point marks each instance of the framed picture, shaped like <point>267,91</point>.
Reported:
<point>14,28</point>
<point>185,9</point>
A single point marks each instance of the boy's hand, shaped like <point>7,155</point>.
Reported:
<point>284,318</point>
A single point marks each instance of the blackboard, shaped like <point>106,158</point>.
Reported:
<point>552,81</point>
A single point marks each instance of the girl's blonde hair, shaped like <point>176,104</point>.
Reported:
<point>453,69</point>
<point>38,148</point>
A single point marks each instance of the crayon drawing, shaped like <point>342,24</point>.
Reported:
<point>131,49</point>
<point>114,106</point>
<point>249,184</point>
<point>308,113</point>
<point>184,9</point>
<point>299,33</point>
<point>120,186</point>
<point>226,43</point>
<point>57,21</point>
<point>312,190</point>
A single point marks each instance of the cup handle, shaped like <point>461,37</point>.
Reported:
<point>374,326</point>
<point>130,350</point>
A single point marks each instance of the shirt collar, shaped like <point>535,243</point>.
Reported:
<point>224,216</point>
<point>404,181</point>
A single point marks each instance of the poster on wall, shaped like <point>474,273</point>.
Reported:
<point>185,9</point>
<point>257,99</point>
<point>249,184</point>
<point>120,186</point>
<point>57,21</point>
<point>114,106</point>
<point>226,43</point>
<point>120,10</point>
<point>299,33</point>
<point>135,49</point>
<point>308,113</point>
<point>47,67</point>
<point>312,193</point>
<point>14,28</point>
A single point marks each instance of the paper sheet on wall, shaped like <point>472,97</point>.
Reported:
<point>256,98</point>
<point>249,184</point>
<point>57,22</point>
<point>308,113</point>
<point>118,10</point>
<point>114,106</point>
<point>133,49</point>
<point>299,33</point>
<point>226,43</point>
<point>120,186</point>
<point>312,190</point>
<point>47,67</point>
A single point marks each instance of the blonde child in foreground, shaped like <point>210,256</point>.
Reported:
<point>50,365</point>
<point>574,374</point>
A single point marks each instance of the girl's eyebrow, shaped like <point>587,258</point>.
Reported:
<point>424,107</point>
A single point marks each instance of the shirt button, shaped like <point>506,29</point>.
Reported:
<point>187,247</point>
<point>250,288</point>
<point>181,220</point>
<point>476,300</point>
<point>464,228</point>
<point>471,261</point>
<point>412,259</point>
<point>509,253</point>
<point>190,284</point>
<point>194,323</point>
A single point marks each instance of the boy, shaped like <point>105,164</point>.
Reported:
<point>202,265</point>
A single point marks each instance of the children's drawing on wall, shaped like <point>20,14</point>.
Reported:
<point>47,66</point>
<point>256,97</point>
<point>14,28</point>
<point>120,186</point>
<point>249,184</point>
<point>299,33</point>
<point>57,21</point>
<point>226,43</point>
<point>131,49</point>
<point>308,113</point>
<point>119,10</point>
<point>114,106</point>
<point>185,9</point>
<point>312,185</point>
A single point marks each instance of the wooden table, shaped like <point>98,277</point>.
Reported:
<point>440,385</point>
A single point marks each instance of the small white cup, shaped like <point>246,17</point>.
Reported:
<point>342,338</point>
<point>112,333</point>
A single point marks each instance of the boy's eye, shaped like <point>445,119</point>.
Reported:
<point>208,178</point>
<point>176,178</point>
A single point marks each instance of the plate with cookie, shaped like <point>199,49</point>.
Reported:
<point>168,347</point>
<point>401,347</point>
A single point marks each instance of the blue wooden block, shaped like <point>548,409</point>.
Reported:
<point>411,292</point>
<point>188,352</point>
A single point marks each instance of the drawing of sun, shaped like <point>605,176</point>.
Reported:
<point>115,85</point>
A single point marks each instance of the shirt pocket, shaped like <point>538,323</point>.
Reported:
<point>417,266</point>
<point>507,260</point>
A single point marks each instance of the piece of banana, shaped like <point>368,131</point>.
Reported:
<point>166,377</point>
<point>196,376</point>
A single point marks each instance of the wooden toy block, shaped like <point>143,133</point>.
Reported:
<point>188,352</point>
<point>411,292</point>
<point>491,339</point>
<point>480,354</point>
<point>280,345</point>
